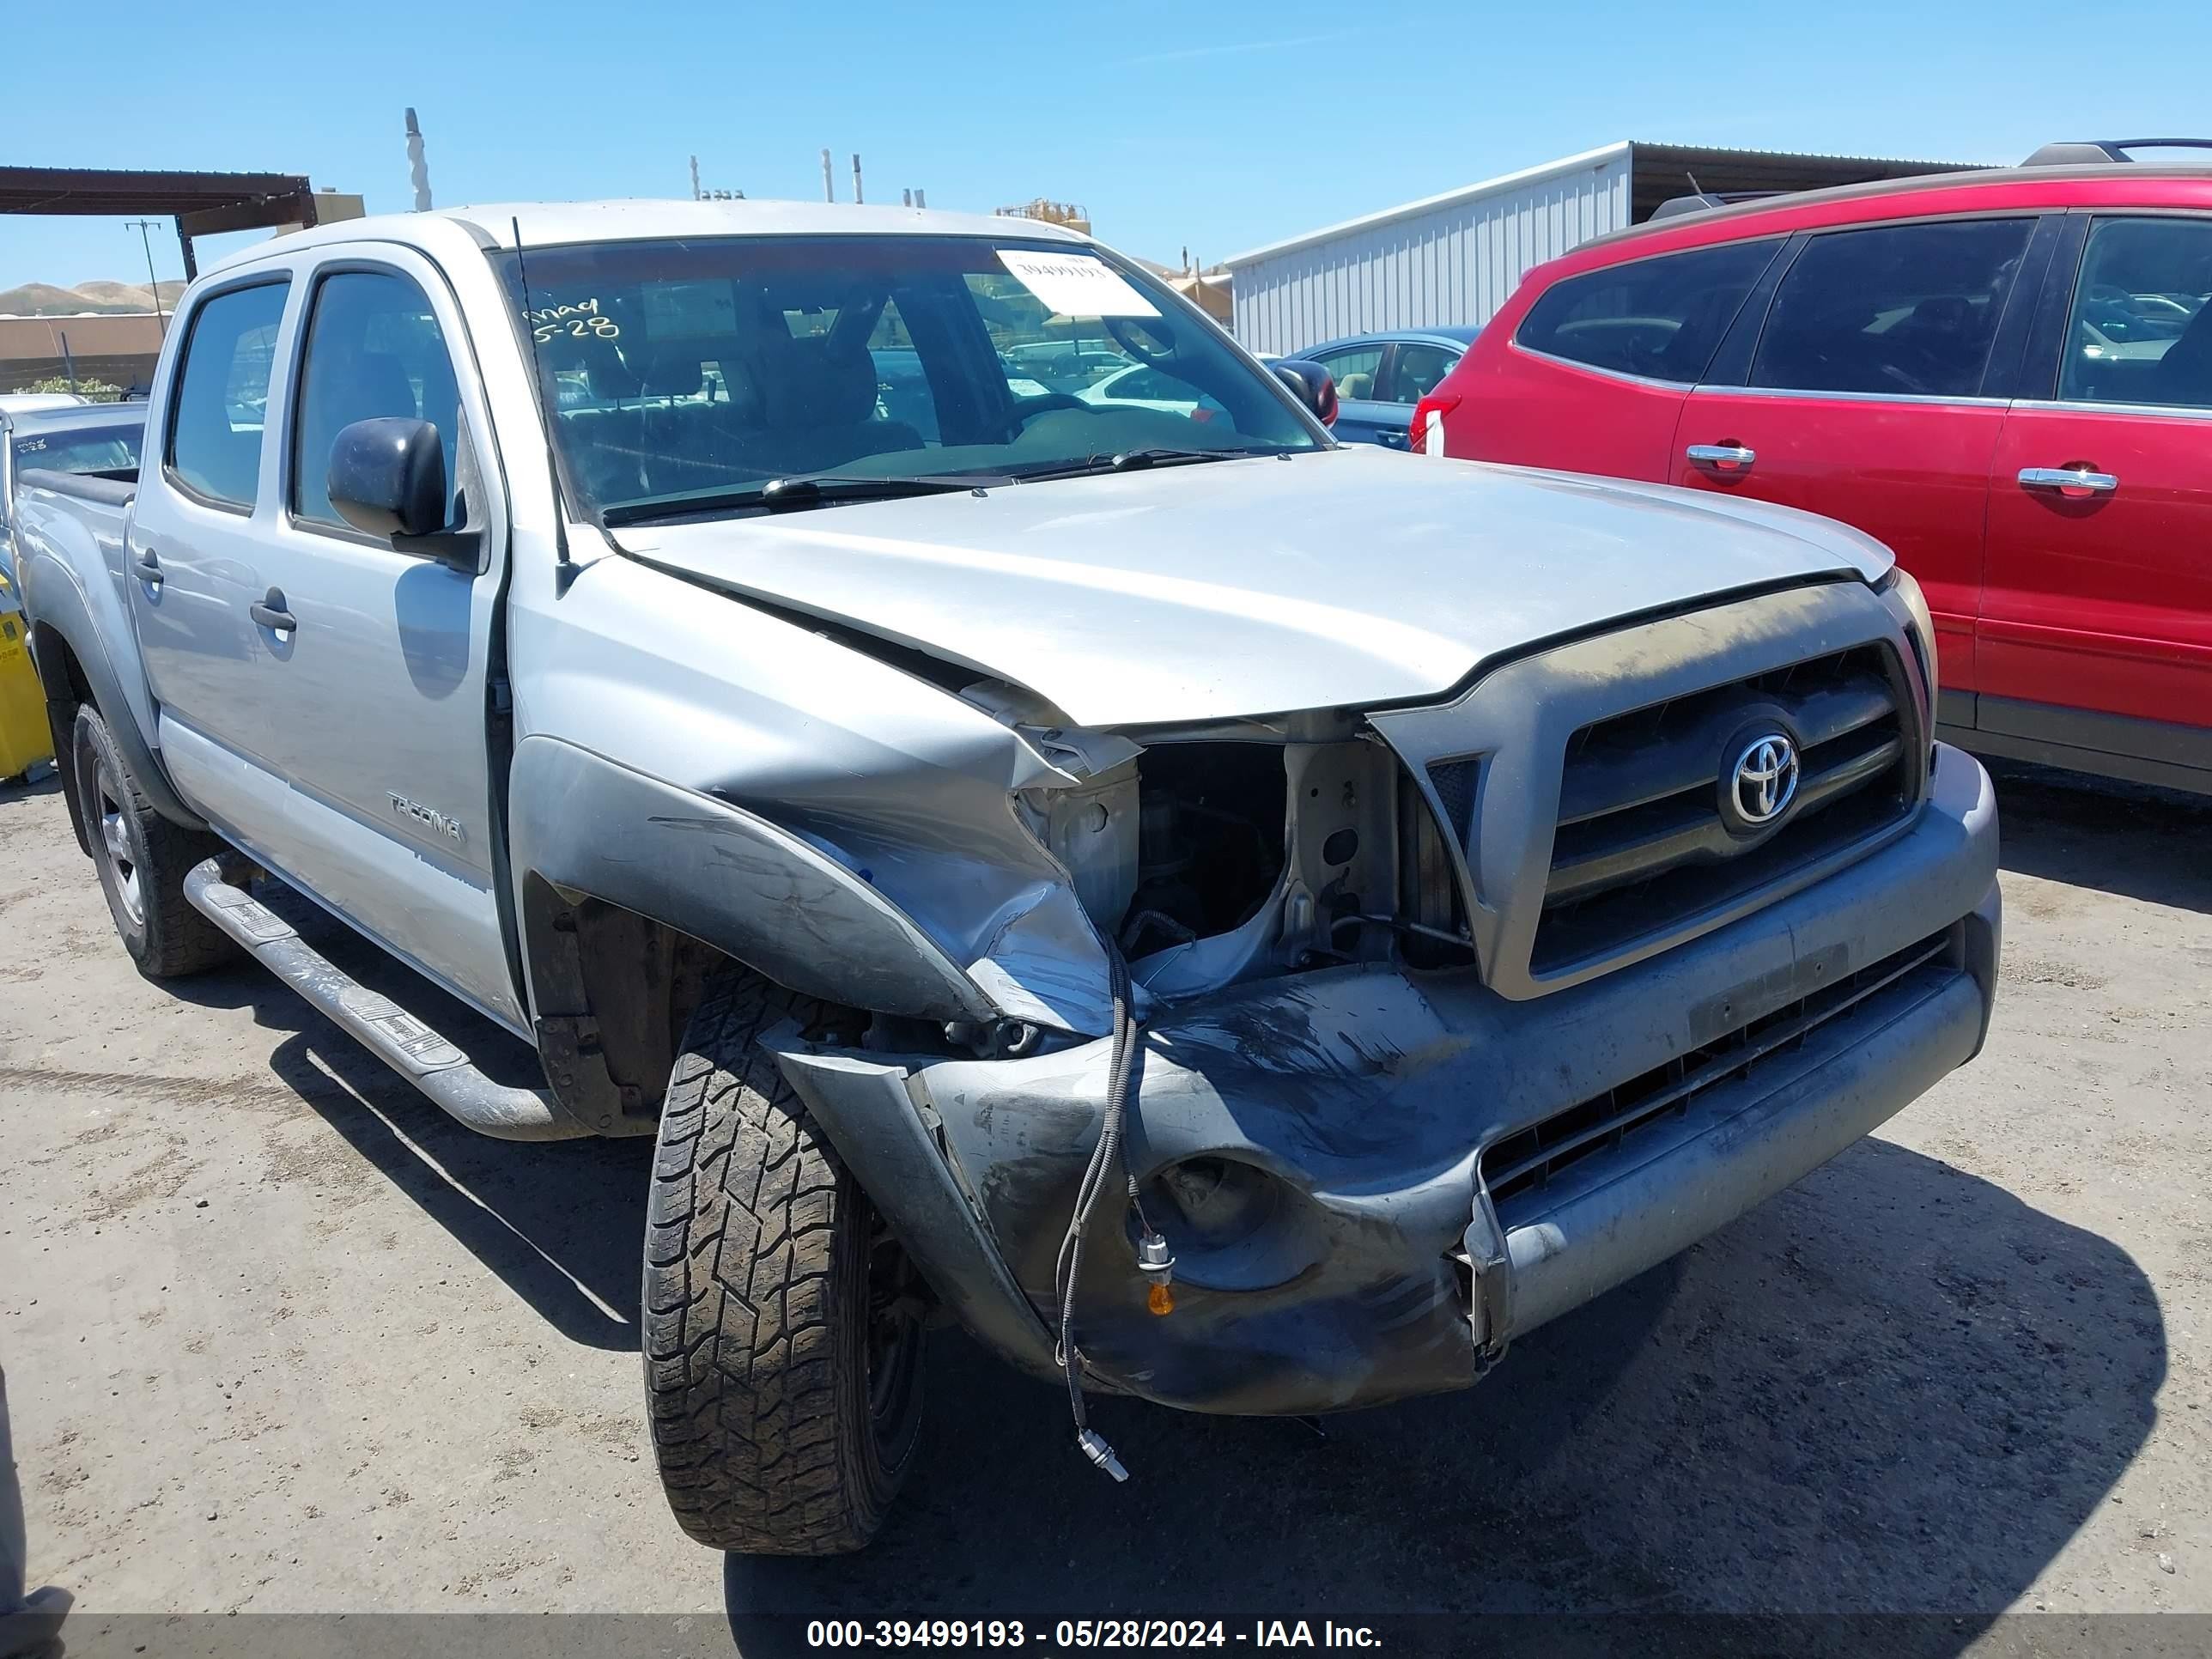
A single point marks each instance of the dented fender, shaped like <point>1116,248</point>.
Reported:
<point>847,828</point>
<point>752,890</point>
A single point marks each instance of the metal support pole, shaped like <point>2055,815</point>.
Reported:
<point>145,227</point>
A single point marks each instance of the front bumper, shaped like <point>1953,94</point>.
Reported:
<point>1365,1261</point>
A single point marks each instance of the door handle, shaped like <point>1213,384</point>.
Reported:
<point>1721,457</point>
<point>2073,480</point>
<point>146,568</point>
<point>271,612</point>
<point>1391,438</point>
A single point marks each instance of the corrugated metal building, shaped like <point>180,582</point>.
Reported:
<point>1454,258</point>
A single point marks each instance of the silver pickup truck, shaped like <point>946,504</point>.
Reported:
<point>1228,918</point>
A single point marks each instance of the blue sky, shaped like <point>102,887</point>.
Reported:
<point>1219,127</point>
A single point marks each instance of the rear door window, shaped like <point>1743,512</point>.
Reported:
<point>221,405</point>
<point>1659,318</point>
<point>1906,310</point>
<point>2140,328</point>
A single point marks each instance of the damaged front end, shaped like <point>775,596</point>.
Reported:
<point>1420,1069</point>
<point>1206,857</point>
<point>1217,854</point>
<point>1258,853</point>
<point>1253,875</point>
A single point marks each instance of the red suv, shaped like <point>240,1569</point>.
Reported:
<point>2005,375</point>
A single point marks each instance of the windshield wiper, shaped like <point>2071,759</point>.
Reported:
<point>798,491</point>
<point>1132,460</point>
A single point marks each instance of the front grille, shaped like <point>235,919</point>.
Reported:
<point>1534,1156</point>
<point>1454,782</point>
<point>1428,882</point>
<point>1642,845</point>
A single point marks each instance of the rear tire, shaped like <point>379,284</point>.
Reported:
<point>782,1336</point>
<point>142,860</point>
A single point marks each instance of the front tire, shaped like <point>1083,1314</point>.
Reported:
<point>782,1335</point>
<point>142,860</point>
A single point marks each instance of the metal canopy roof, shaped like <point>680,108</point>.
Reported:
<point>202,203</point>
<point>1662,170</point>
<point>1656,174</point>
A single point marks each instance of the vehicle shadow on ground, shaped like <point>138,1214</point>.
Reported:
<point>560,1224</point>
<point>2124,838</point>
<point>1894,1388</point>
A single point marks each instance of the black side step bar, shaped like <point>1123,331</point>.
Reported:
<point>402,1041</point>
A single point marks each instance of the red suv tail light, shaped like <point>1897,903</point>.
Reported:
<point>1438,403</point>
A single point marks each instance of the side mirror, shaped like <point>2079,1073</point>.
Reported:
<point>1314,386</point>
<point>388,478</point>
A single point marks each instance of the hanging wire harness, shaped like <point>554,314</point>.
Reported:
<point>1155,1260</point>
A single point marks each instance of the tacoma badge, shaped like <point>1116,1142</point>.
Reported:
<point>428,817</point>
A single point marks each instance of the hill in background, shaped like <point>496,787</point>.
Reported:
<point>44,300</point>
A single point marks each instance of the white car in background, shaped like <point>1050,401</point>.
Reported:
<point>1142,386</point>
<point>26,403</point>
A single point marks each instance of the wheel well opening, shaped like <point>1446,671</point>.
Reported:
<point>629,983</point>
<point>61,676</point>
<point>59,671</point>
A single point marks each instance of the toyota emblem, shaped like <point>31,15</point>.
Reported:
<point>1764,779</point>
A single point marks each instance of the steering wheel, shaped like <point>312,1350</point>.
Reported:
<point>1124,337</point>
<point>1026,410</point>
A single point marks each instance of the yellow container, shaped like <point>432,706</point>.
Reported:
<point>24,739</point>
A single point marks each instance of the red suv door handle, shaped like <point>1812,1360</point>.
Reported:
<point>2077,480</point>
<point>1721,457</point>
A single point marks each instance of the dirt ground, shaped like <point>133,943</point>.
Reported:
<point>278,1336</point>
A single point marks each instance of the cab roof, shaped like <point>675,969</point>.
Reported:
<point>551,224</point>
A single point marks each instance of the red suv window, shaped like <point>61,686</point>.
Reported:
<point>1660,318</point>
<point>1897,308</point>
<point>2135,334</point>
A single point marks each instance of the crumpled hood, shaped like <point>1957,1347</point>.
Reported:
<point>1183,593</point>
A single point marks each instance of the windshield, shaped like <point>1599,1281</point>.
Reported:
<point>688,374</point>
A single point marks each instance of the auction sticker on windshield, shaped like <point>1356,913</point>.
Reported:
<point>1075,284</point>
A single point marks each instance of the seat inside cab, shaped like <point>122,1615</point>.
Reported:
<point>666,413</point>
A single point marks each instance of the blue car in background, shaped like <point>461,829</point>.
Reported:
<point>1380,377</point>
